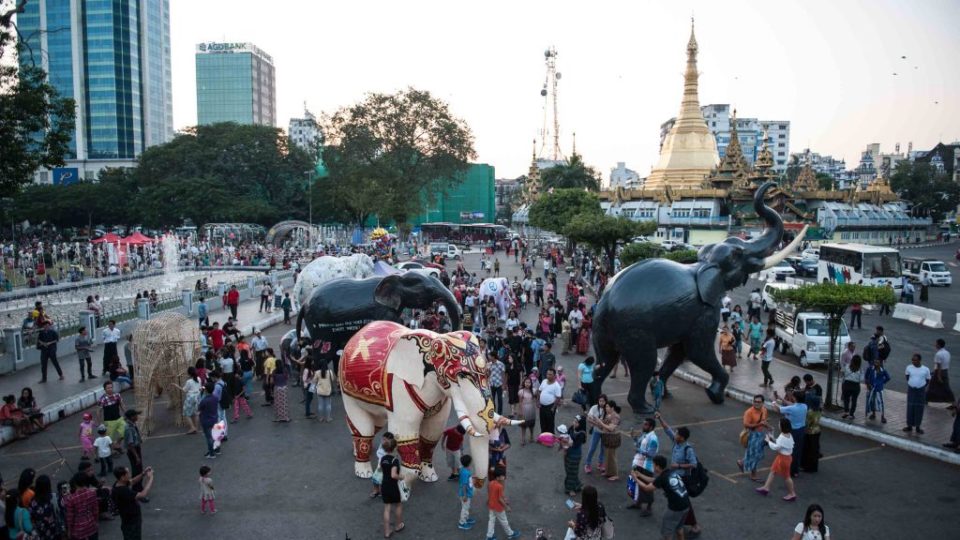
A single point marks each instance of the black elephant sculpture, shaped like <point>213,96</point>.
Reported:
<point>337,309</point>
<point>658,303</point>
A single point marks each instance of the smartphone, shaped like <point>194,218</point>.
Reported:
<point>570,504</point>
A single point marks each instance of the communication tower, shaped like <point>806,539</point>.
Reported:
<point>549,93</point>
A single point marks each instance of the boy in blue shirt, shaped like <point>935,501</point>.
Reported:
<point>465,492</point>
<point>656,390</point>
<point>875,378</point>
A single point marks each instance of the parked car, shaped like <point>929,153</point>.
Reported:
<point>674,245</point>
<point>936,271</point>
<point>641,240</point>
<point>811,253</point>
<point>803,266</point>
<point>413,266</point>
<point>781,271</point>
<point>767,301</point>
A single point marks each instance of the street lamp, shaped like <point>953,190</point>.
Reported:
<point>307,175</point>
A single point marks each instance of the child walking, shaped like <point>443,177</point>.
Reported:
<point>104,445</point>
<point>86,436</point>
<point>497,505</point>
<point>657,390</point>
<point>465,492</point>
<point>208,495</point>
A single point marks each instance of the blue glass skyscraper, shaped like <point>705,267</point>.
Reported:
<point>113,58</point>
<point>235,83</point>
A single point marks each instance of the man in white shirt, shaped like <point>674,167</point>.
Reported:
<point>576,322</point>
<point>259,344</point>
<point>939,391</point>
<point>550,394</point>
<point>918,377</point>
<point>111,335</point>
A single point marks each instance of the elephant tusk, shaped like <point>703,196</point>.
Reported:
<point>773,260</point>
<point>468,427</point>
<point>501,421</point>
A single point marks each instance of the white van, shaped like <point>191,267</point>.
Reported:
<point>932,269</point>
<point>766,294</point>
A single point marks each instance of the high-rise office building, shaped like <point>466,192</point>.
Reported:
<point>113,58</point>
<point>235,83</point>
<point>304,132</point>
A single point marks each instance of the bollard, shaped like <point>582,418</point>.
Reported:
<point>143,308</point>
<point>252,287</point>
<point>88,320</point>
<point>13,339</point>
<point>187,296</point>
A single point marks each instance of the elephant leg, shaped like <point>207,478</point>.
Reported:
<point>362,429</point>
<point>408,448</point>
<point>701,351</point>
<point>642,359</point>
<point>431,430</point>
<point>676,354</point>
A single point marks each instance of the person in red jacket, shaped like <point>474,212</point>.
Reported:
<point>233,300</point>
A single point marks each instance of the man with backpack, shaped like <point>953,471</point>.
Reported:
<point>683,459</point>
<point>878,347</point>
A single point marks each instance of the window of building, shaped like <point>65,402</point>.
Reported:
<point>781,161</point>
<point>782,136</point>
<point>629,212</point>
<point>43,177</point>
<point>701,212</point>
<point>781,145</point>
<point>781,153</point>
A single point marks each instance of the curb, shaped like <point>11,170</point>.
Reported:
<point>60,410</point>
<point>843,427</point>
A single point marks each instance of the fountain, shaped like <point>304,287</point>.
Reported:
<point>170,245</point>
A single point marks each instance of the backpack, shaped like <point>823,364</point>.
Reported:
<point>697,480</point>
<point>226,397</point>
<point>884,348</point>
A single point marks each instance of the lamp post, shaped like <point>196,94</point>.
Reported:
<point>307,175</point>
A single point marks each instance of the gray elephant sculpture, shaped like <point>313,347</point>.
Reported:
<point>337,309</point>
<point>659,303</point>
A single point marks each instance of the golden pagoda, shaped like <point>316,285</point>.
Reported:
<point>807,179</point>
<point>533,177</point>
<point>689,151</point>
<point>733,168</point>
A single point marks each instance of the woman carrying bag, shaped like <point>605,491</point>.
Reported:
<point>610,437</point>
<point>591,522</point>
<point>323,386</point>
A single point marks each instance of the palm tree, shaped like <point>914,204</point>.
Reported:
<point>573,174</point>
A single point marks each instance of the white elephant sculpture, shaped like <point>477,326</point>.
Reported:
<point>498,289</point>
<point>328,268</point>
<point>407,380</point>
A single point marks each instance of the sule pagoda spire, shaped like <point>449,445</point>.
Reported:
<point>689,151</point>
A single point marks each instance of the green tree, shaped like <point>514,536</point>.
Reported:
<point>833,299</point>
<point>930,191</point>
<point>553,211</point>
<point>574,174</point>
<point>639,251</point>
<point>604,233</point>
<point>682,256</point>
<point>403,149</point>
<point>223,172</point>
<point>825,181</point>
<point>36,123</point>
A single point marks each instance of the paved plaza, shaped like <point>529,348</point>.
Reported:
<point>296,480</point>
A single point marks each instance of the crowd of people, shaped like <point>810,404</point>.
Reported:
<point>526,382</point>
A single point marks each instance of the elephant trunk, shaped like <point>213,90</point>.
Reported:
<point>500,421</point>
<point>773,233</point>
<point>480,452</point>
<point>453,311</point>
<point>463,416</point>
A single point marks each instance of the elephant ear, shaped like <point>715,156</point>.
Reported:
<point>407,362</point>
<point>710,283</point>
<point>387,292</point>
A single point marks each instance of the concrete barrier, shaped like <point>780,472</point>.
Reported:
<point>930,318</point>
<point>956,327</point>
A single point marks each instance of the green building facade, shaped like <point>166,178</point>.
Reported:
<point>473,201</point>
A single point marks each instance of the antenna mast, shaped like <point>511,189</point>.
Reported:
<point>549,93</point>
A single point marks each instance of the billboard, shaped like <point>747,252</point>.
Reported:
<point>64,176</point>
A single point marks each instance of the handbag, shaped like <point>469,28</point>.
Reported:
<point>404,490</point>
<point>611,440</point>
<point>744,437</point>
<point>608,531</point>
<point>580,397</point>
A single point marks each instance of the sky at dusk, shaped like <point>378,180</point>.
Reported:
<point>825,65</point>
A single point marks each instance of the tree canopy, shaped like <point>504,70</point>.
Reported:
<point>394,154</point>
<point>930,191</point>
<point>639,251</point>
<point>36,123</point>
<point>574,174</point>
<point>833,299</point>
<point>604,232</point>
<point>553,211</point>
<point>220,172</point>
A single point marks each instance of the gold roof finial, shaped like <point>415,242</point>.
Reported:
<point>574,143</point>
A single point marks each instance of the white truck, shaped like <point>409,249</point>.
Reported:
<point>935,271</point>
<point>806,335</point>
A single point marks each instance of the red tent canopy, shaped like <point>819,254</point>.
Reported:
<point>109,238</point>
<point>137,239</point>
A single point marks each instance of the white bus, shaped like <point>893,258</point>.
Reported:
<point>853,263</point>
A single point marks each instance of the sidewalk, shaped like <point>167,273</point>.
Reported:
<point>937,421</point>
<point>59,399</point>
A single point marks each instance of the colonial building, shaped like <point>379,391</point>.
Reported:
<point>696,197</point>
